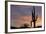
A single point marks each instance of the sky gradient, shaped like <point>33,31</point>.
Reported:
<point>21,14</point>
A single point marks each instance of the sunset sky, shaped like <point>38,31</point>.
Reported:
<point>21,14</point>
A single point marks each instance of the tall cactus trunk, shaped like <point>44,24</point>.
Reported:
<point>33,16</point>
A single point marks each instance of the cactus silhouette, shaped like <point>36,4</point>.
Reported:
<point>34,17</point>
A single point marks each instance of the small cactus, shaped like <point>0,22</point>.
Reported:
<point>26,25</point>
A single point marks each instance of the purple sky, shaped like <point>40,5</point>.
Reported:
<point>17,10</point>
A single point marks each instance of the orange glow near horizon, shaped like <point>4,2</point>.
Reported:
<point>27,19</point>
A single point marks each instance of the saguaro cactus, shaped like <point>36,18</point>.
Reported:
<point>34,17</point>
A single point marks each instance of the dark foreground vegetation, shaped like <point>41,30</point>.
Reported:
<point>24,27</point>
